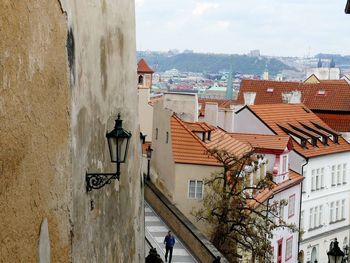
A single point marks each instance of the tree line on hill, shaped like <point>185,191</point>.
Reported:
<point>212,63</point>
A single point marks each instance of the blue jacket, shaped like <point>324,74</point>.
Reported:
<point>169,241</point>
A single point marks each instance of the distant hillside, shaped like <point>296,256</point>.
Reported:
<point>197,62</point>
<point>340,61</point>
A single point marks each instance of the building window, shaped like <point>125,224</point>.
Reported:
<point>318,181</point>
<point>156,133</point>
<point>284,164</point>
<point>310,218</point>
<point>338,174</point>
<point>289,248</point>
<point>313,180</point>
<point>320,216</point>
<point>344,173</point>
<point>343,209</point>
<point>167,137</point>
<point>195,189</point>
<point>291,206</point>
<point>322,178</point>
<point>337,212</point>
<point>333,175</point>
<point>140,80</point>
<point>331,211</point>
<point>315,217</point>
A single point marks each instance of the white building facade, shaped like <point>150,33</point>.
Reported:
<point>324,212</point>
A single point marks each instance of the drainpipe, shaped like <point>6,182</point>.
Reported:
<point>301,197</point>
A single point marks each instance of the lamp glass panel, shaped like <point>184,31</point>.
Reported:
<point>335,259</point>
<point>112,146</point>
<point>121,149</point>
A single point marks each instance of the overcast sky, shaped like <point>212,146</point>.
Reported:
<point>276,27</point>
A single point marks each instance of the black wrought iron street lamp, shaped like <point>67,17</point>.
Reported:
<point>149,151</point>
<point>335,255</point>
<point>118,144</point>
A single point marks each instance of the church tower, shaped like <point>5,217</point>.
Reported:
<point>144,75</point>
<point>229,86</point>
<point>144,85</point>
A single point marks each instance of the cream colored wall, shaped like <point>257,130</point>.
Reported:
<point>184,173</point>
<point>185,105</point>
<point>162,163</point>
<point>67,68</point>
<point>145,113</point>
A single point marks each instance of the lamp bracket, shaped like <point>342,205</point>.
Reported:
<point>98,180</point>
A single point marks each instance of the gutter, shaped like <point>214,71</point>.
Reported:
<point>301,197</point>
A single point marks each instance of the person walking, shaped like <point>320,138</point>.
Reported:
<point>169,242</point>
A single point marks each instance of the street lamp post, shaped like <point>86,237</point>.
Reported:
<point>118,144</point>
<point>335,255</point>
<point>149,151</point>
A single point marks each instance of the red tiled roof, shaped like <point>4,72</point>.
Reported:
<point>338,122</point>
<point>199,126</point>
<point>335,81</point>
<point>263,141</point>
<point>333,97</point>
<point>142,67</point>
<point>189,148</point>
<point>145,146</point>
<point>294,179</point>
<point>295,117</point>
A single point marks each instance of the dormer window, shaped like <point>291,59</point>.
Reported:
<point>321,92</point>
<point>270,90</point>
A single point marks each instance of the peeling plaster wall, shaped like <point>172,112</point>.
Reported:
<point>105,77</point>
<point>56,104</point>
<point>35,163</point>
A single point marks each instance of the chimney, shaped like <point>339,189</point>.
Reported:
<point>211,113</point>
<point>185,105</point>
<point>249,98</point>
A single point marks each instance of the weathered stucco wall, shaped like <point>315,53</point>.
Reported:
<point>107,222</point>
<point>35,165</point>
<point>56,104</point>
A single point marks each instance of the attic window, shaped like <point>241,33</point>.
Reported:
<point>321,92</point>
<point>270,90</point>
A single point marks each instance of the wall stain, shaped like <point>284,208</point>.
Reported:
<point>71,55</point>
<point>120,36</point>
<point>104,6</point>
<point>103,65</point>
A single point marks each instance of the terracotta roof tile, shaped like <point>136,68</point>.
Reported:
<point>334,97</point>
<point>294,179</point>
<point>189,148</point>
<point>142,67</point>
<point>335,81</point>
<point>338,122</point>
<point>279,117</point>
<point>262,141</point>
